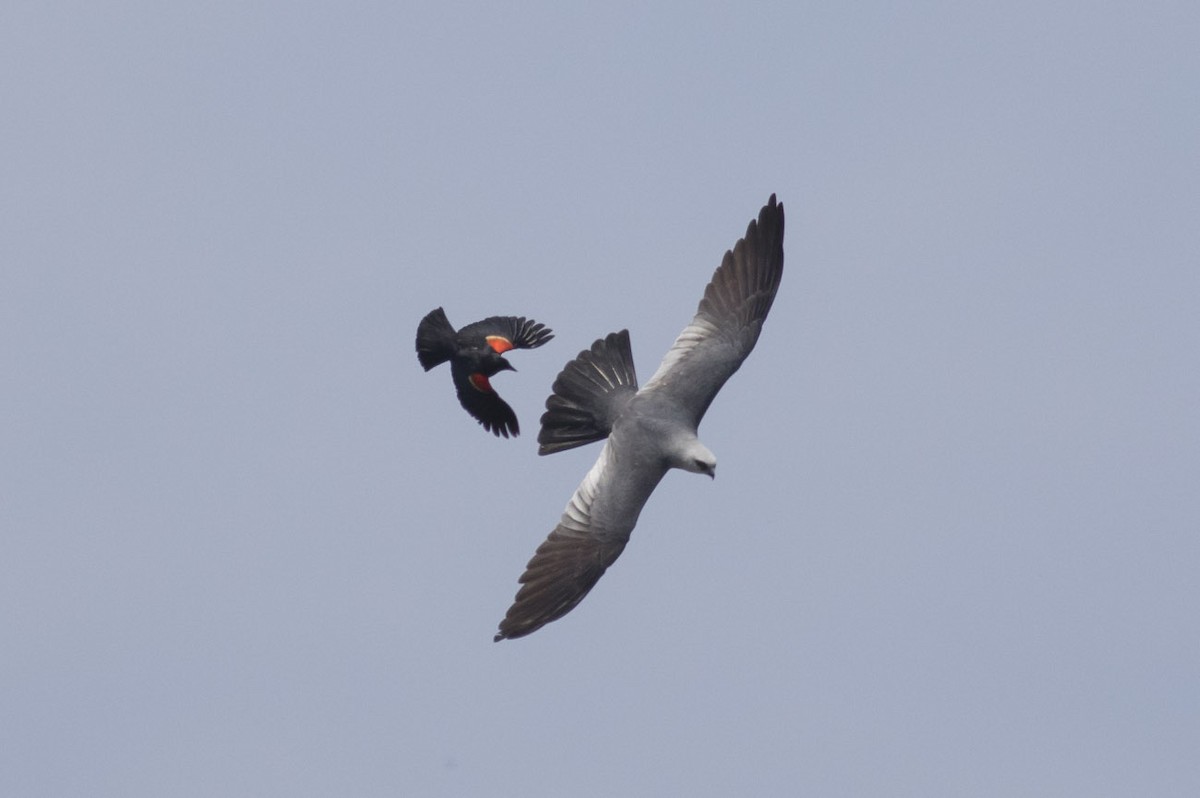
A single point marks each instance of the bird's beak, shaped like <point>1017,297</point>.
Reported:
<point>509,366</point>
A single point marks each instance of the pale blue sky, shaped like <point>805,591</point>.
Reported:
<point>249,548</point>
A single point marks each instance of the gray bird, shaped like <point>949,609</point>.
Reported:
<point>648,431</point>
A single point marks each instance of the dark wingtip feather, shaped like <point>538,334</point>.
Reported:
<point>557,578</point>
<point>748,278</point>
<point>531,334</point>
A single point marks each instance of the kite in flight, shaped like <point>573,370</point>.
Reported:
<point>476,354</point>
<point>646,432</point>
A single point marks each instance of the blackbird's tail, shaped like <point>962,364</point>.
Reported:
<point>435,339</point>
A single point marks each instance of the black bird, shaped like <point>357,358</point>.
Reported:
<point>475,354</point>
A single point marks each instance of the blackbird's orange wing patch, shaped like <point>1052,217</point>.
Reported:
<point>499,343</point>
<point>480,383</point>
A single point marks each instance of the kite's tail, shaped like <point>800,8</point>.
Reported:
<point>588,395</point>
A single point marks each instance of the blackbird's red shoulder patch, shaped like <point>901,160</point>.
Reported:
<point>499,343</point>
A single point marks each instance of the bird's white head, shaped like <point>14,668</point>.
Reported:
<point>694,456</point>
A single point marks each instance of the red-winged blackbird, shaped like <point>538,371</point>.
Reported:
<point>475,353</point>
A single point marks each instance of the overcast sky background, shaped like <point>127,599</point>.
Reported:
<point>249,548</point>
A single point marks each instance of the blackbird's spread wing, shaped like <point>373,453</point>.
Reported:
<point>728,322</point>
<point>476,395</point>
<point>503,333</point>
